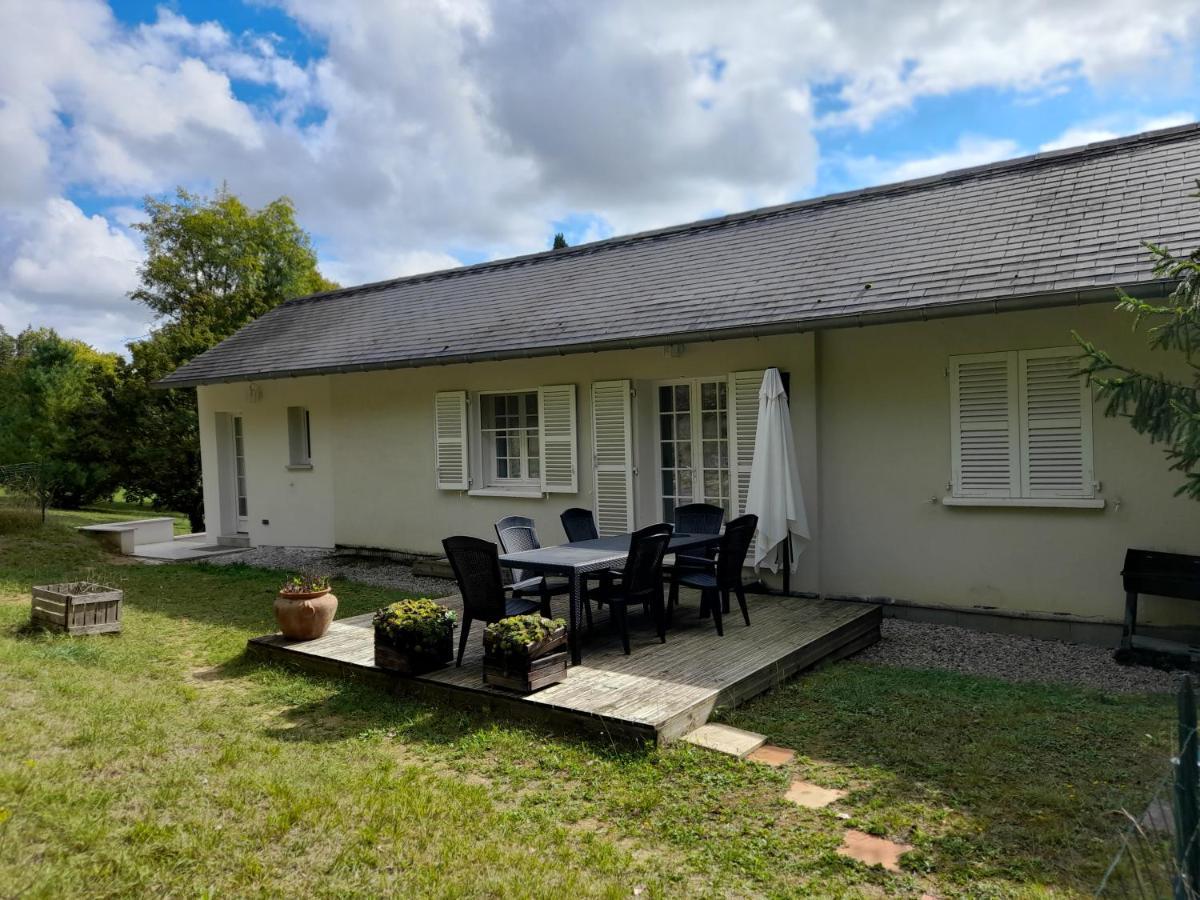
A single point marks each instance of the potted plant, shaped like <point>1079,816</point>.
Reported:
<point>519,653</point>
<point>414,636</point>
<point>305,607</point>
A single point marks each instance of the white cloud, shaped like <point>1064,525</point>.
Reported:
<point>1090,133</point>
<point>969,151</point>
<point>470,126</point>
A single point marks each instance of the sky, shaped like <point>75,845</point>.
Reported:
<point>415,136</point>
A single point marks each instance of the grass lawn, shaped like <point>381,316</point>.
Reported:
<point>97,513</point>
<point>160,761</point>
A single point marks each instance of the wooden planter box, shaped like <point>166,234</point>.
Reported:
<point>405,662</point>
<point>77,607</point>
<point>541,668</point>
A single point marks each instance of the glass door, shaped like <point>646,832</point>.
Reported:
<point>693,435</point>
<point>239,468</point>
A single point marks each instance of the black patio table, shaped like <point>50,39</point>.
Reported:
<point>581,558</point>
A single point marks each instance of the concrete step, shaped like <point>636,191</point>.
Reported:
<point>233,540</point>
<point>433,568</point>
<point>726,739</point>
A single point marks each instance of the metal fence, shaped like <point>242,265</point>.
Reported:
<point>1159,854</point>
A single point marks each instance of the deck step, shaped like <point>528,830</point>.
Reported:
<point>433,568</point>
<point>726,739</point>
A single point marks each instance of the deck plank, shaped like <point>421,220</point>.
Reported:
<point>658,692</point>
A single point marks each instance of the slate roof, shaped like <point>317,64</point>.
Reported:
<point>1057,227</point>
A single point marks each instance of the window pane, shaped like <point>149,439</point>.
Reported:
<point>665,399</point>
<point>709,425</point>
<point>712,456</point>
<point>683,423</point>
<point>501,467</point>
<point>668,478</point>
<point>668,455</point>
<point>722,388</point>
<point>708,395</point>
<point>685,455</point>
<point>685,483</point>
<point>683,396</point>
<point>667,425</point>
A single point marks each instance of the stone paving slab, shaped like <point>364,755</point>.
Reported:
<point>812,796</point>
<point>873,851</point>
<point>770,755</point>
<point>725,739</point>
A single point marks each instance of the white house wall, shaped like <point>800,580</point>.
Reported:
<point>286,507</point>
<point>870,408</point>
<point>383,438</point>
<point>885,464</point>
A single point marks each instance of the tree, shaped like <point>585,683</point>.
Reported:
<point>560,242</point>
<point>212,265</point>
<point>55,396</point>
<point>1165,409</point>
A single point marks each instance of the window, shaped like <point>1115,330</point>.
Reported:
<point>523,442</point>
<point>1021,429</point>
<point>508,427</point>
<point>299,437</point>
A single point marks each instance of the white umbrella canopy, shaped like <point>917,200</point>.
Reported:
<point>775,495</point>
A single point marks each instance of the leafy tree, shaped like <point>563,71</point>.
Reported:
<point>212,265</point>
<point>1165,409</point>
<point>55,396</point>
<point>560,242</point>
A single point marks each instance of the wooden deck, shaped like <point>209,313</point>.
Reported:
<point>658,693</point>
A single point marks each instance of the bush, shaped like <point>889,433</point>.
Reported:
<point>516,634</point>
<point>418,625</point>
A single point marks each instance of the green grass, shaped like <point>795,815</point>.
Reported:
<point>116,510</point>
<point>161,761</point>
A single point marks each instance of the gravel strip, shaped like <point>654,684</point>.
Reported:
<point>917,645</point>
<point>374,570</point>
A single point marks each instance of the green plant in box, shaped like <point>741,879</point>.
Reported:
<point>515,635</point>
<point>418,626</point>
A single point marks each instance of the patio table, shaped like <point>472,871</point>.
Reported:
<point>578,559</point>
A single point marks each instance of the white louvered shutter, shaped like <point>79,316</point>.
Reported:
<point>1056,425</point>
<point>450,440</point>
<point>556,421</point>
<point>743,426</point>
<point>612,456</point>
<point>984,434</point>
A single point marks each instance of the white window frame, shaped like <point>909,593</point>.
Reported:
<point>299,444</point>
<point>486,443</point>
<point>1020,493</point>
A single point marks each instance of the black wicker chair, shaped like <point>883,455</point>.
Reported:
<point>517,533</point>
<point>722,577</point>
<point>579,525</point>
<point>696,518</point>
<point>640,582</point>
<point>476,565</point>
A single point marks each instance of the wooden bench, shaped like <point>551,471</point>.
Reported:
<point>1164,575</point>
<point>124,537</point>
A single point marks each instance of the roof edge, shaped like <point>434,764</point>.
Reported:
<point>1034,160</point>
<point>1014,303</point>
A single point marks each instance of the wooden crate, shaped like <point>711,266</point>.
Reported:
<point>525,675</point>
<point>77,607</point>
<point>406,662</point>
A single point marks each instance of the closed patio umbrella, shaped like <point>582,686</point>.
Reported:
<point>775,495</point>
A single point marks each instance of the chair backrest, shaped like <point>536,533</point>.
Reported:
<point>643,566</point>
<point>735,544</point>
<point>579,524</point>
<point>516,533</point>
<point>476,565</point>
<point>698,518</point>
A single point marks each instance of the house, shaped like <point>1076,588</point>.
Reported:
<point>951,456</point>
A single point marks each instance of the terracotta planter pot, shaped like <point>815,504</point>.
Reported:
<point>303,617</point>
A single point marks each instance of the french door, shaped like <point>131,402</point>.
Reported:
<point>239,469</point>
<point>693,440</point>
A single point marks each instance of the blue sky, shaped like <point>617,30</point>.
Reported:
<point>415,136</point>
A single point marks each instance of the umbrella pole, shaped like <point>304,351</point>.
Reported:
<point>787,565</point>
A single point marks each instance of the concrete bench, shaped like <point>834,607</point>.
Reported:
<point>124,537</point>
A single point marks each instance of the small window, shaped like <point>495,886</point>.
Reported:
<point>511,439</point>
<point>299,437</point>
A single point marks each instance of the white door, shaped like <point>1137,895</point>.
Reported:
<point>239,469</point>
<point>693,439</point>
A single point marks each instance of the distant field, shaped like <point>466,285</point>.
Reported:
<point>96,513</point>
